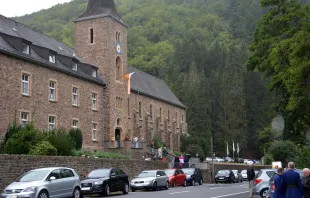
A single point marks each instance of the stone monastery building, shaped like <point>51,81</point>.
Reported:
<point>45,81</point>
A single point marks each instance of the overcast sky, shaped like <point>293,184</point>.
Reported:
<point>13,8</point>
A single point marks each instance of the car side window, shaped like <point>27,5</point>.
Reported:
<point>121,172</point>
<point>270,173</point>
<point>162,173</point>
<point>113,171</point>
<point>55,173</point>
<point>67,173</point>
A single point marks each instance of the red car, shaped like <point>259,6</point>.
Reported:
<point>176,177</point>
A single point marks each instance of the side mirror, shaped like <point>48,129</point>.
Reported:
<point>157,175</point>
<point>113,174</point>
<point>52,178</point>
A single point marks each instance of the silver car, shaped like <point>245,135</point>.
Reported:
<point>150,179</point>
<point>45,183</point>
<point>261,182</point>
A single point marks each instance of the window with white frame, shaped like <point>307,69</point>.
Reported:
<point>74,66</point>
<point>52,91</point>
<point>75,124</point>
<point>94,101</point>
<point>25,84</point>
<point>51,123</point>
<point>24,118</point>
<point>75,96</point>
<point>52,58</point>
<point>26,48</point>
<point>94,131</point>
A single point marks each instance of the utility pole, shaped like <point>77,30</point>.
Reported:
<point>212,152</point>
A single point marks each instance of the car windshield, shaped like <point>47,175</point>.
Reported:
<point>146,174</point>
<point>188,171</point>
<point>235,171</point>
<point>36,175</point>
<point>99,173</point>
<point>169,172</point>
<point>223,172</point>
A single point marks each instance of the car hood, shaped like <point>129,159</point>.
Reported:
<point>23,185</point>
<point>222,175</point>
<point>91,180</point>
<point>143,179</point>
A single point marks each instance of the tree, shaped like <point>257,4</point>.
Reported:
<point>77,136</point>
<point>283,151</point>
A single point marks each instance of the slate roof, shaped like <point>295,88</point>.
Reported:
<point>100,9</point>
<point>148,85</point>
<point>13,34</point>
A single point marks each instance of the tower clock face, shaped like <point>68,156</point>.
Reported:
<point>118,48</point>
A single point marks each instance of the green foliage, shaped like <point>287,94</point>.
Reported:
<point>99,154</point>
<point>77,136</point>
<point>283,151</point>
<point>193,149</point>
<point>268,159</point>
<point>21,141</point>
<point>158,142</point>
<point>12,129</point>
<point>302,156</point>
<point>266,137</point>
<point>60,139</point>
<point>187,141</point>
<point>43,148</point>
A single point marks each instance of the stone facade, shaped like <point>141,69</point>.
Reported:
<point>39,107</point>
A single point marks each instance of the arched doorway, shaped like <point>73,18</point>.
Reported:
<point>118,137</point>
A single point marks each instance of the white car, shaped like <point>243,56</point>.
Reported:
<point>208,159</point>
<point>218,159</point>
<point>247,161</point>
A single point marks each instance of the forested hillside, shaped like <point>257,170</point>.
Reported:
<point>199,47</point>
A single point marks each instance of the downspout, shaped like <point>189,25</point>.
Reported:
<point>102,116</point>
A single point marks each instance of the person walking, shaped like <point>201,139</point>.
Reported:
<point>251,176</point>
<point>277,182</point>
<point>306,182</point>
<point>291,183</point>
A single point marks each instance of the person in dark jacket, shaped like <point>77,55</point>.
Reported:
<point>277,181</point>
<point>306,182</point>
<point>251,176</point>
<point>291,183</point>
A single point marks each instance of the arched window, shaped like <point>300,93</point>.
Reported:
<point>119,70</point>
<point>119,37</point>
<point>151,112</point>
<point>116,36</point>
<point>118,122</point>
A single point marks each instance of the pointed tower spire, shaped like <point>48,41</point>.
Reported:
<point>100,9</point>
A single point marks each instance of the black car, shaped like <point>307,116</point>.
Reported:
<point>105,181</point>
<point>225,176</point>
<point>193,175</point>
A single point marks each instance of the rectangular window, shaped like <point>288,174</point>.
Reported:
<point>160,115</point>
<point>182,117</point>
<point>52,58</point>
<point>51,123</point>
<point>119,103</point>
<point>94,73</point>
<point>26,48</point>
<point>75,96</point>
<point>151,112</point>
<point>140,110</point>
<point>91,35</point>
<point>176,117</point>
<point>94,131</point>
<point>168,116</point>
<point>74,66</point>
<point>24,118</point>
<point>94,101</point>
<point>25,84</point>
<point>128,106</point>
<point>75,124</point>
<point>52,91</point>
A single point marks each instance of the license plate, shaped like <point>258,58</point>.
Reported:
<point>11,196</point>
<point>85,188</point>
<point>222,178</point>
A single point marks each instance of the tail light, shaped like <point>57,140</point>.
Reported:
<point>257,181</point>
<point>273,187</point>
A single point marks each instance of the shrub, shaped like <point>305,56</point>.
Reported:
<point>61,141</point>
<point>12,129</point>
<point>158,142</point>
<point>100,154</point>
<point>302,157</point>
<point>268,159</point>
<point>43,148</point>
<point>194,149</point>
<point>77,136</point>
<point>21,142</point>
<point>283,151</point>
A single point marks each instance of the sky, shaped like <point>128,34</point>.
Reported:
<point>13,8</point>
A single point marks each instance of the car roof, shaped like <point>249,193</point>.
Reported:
<point>150,170</point>
<point>51,168</point>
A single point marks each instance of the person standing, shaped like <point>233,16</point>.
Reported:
<point>251,176</point>
<point>277,182</point>
<point>291,183</point>
<point>306,182</point>
<point>153,147</point>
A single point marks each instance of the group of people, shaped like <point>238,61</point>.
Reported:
<point>287,183</point>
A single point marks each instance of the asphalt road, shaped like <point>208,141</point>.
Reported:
<point>239,190</point>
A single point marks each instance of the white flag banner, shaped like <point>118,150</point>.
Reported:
<point>227,149</point>
<point>234,146</point>
<point>237,147</point>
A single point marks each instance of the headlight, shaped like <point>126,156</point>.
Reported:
<point>30,189</point>
<point>98,182</point>
<point>149,181</point>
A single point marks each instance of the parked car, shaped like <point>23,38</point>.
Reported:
<point>176,177</point>
<point>239,160</point>
<point>238,176</point>
<point>228,159</point>
<point>225,176</point>
<point>193,175</point>
<point>103,181</point>
<point>261,183</point>
<point>247,161</point>
<point>218,159</point>
<point>208,159</point>
<point>244,175</point>
<point>45,182</point>
<point>150,179</point>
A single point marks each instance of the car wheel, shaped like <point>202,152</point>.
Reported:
<point>133,190</point>
<point>126,189</point>
<point>167,185</point>
<point>200,182</point>
<point>264,193</point>
<point>76,193</point>
<point>193,182</point>
<point>106,192</point>
<point>43,194</point>
<point>154,186</point>
<point>184,183</point>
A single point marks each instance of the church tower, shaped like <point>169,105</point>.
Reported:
<point>101,40</point>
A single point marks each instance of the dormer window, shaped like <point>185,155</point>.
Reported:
<point>52,58</point>
<point>74,66</point>
<point>26,48</point>
<point>94,72</point>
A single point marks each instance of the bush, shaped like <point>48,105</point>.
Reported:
<point>302,157</point>
<point>61,141</point>
<point>77,136</point>
<point>158,142</point>
<point>43,148</point>
<point>283,151</point>
<point>100,154</point>
<point>194,149</point>
<point>268,159</point>
<point>21,142</point>
<point>12,129</point>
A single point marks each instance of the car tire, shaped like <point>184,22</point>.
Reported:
<point>154,188</point>
<point>201,181</point>
<point>106,190</point>
<point>193,182</point>
<point>167,185</point>
<point>76,193</point>
<point>133,190</point>
<point>126,189</point>
<point>43,194</point>
<point>264,193</point>
<point>184,183</point>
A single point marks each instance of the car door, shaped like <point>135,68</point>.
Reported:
<point>114,185</point>
<point>122,178</point>
<point>69,181</point>
<point>163,178</point>
<point>56,187</point>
